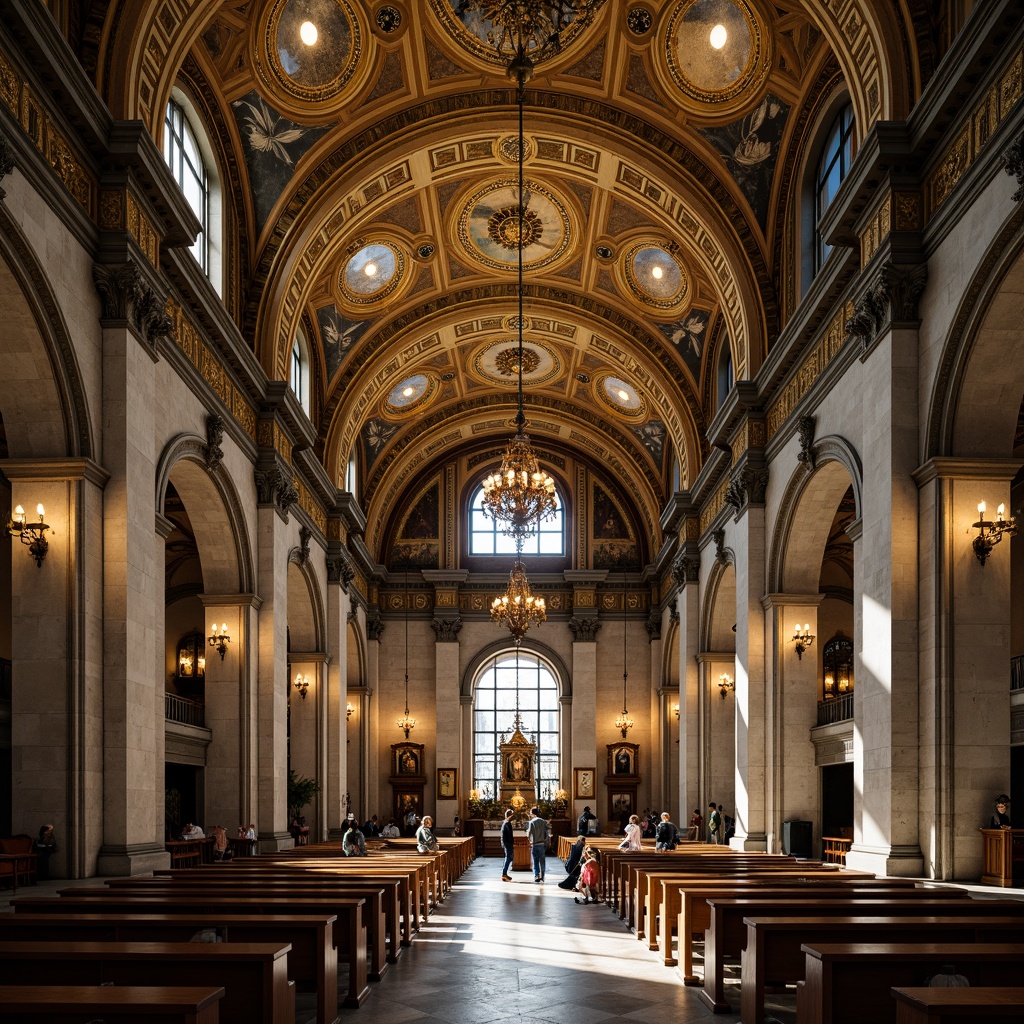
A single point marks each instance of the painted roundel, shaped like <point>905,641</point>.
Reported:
<point>655,277</point>
<point>620,396</point>
<point>312,47</point>
<point>498,362</point>
<point>409,393</point>
<point>717,51</point>
<point>488,227</point>
<point>372,273</point>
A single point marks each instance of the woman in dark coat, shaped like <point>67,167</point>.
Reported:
<point>573,864</point>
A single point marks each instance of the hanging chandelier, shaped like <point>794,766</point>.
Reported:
<point>517,608</point>
<point>624,723</point>
<point>520,495</point>
<point>407,723</point>
<point>535,26</point>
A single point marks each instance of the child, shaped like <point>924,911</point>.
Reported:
<point>590,877</point>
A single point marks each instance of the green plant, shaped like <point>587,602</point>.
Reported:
<point>300,792</point>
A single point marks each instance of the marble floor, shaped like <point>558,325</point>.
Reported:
<point>508,952</point>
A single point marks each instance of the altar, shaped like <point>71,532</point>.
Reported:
<point>521,854</point>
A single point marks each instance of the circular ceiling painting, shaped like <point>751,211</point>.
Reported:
<point>621,396</point>
<point>498,362</point>
<point>312,46</point>
<point>410,392</point>
<point>654,276</point>
<point>717,49</point>
<point>488,28</point>
<point>489,226</point>
<point>372,272</point>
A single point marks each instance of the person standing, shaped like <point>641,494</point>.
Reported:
<point>508,845</point>
<point>714,824</point>
<point>1001,819</point>
<point>537,832</point>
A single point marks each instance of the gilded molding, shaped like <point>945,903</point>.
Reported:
<point>715,505</point>
<point>309,504</point>
<point>875,231</point>
<point>271,435</point>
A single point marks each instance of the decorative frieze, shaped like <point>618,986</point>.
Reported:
<point>446,631</point>
<point>715,504</point>
<point>309,504</point>
<point>584,629</point>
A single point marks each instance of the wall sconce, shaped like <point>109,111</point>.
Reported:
<point>219,641</point>
<point>32,534</point>
<point>349,709</point>
<point>725,684</point>
<point>802,640</point>
<point>989,533</point>
<point>302,685</point>
<point>675,711</point>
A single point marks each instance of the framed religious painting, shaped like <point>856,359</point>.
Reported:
<point>621,804</point>
<point>584,783</point>
<point>407,761</point>
<point>623,761</point>
<point>447,783</point>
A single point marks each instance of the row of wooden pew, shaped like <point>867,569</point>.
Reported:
<point>241,935</point>
<point>844,938</point>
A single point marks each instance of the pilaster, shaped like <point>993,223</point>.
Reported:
<point>338,722</point>
<point>686,573</point>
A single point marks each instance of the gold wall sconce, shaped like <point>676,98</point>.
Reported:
<point>989,533</point>
<point>302,685</point>
<point>803,640</point>
<point>725,684</point>
<point>31,534</point>
<point>349,709</point>
<point>219,640</point>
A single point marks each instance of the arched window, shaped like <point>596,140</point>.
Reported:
<point>190,159</point>
<point>494,712</point>
<point>724,373</point>
<point>485,538</point>
<point>298,375</point>
<point>833,166</point>
<point>351,477</point>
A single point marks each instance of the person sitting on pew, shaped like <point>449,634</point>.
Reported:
<point>44,847</point>
<point>426,842</point>
<point>220,843</point>
<point>390,830</point>
<point>353,843</point>
<point>192,832</point>
<point>1001,819</point>
<point>665,834</point>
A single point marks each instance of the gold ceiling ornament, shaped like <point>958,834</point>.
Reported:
<point>520,496</point>
<point>517,608</point>
<point>509,361</point>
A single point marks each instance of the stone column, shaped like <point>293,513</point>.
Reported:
<point>686,572</point>
<point>791,707</point>
<point>660,763</point>
<point>965,650</point>
<point>339,574</point>
<point>57,651</point>
<point>373,732</point>
<point>133,587</point>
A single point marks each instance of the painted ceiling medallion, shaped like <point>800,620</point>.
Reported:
<point>620,396</point>
<point>311,47</point>
<point>488,29</point>
<point>495,362</point>
<point>655,277</point>
<point>488,227</point>
<point>718,52</point>
<point>507,361</point>
<point>410,393</point>
<point>372,273</point>
<point>508,150</point>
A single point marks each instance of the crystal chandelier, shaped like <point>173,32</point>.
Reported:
<point>517,608</point>
<point>533,26</point>
<point>520,495</point>
<point>624,723</point>
<point>407,723</point>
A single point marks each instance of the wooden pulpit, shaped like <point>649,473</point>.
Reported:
<point>1003,855</point>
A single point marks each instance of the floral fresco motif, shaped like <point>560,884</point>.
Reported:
<point>615,555</point>
<point>376,434</point>
<point>688,334</point>
<point>652,437</point>
<point>274,145</point>
<point>338,334</point>
<point>750,148</point>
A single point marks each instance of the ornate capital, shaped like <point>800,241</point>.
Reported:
<point>890,298</point>
<point>213,453</point>
<point>805,428</point>
<point>446,631</point>
<point>686,569</point>
<point>286,497</point>
<point>1013,164</point>
<point>304,538</point>
<point>125,297</point>
<point>374,625</point>
<point>341,570</point>
<point>653,626</point>
<point>720,552</point>
<point>584,630</point>
<point>747,487</point>
<point>273,487</point>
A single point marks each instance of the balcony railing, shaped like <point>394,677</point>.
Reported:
<point>1017,673</point>
<point>838,709</point>
<point>184,711</point>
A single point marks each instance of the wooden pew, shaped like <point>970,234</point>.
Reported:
<point>851,982</point>
<point>381,911</point>
<point>349,931</point>
<point>726,935</point>
<point>312,960</point>
<point>773,954</point>
<point>957,1005</point>
<point>254,975</point>
<point>83,1004</point>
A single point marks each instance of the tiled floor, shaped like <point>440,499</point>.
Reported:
<point>498,952</point>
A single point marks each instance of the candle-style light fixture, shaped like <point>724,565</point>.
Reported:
<point>725,684</point>
<point>349,709</point>
<point>517,608</point>
<point>32,534</point>
<point>302,684</point>
<point>219,639</point>
<point>520,495</point>
<point>624,723</point>
<point>990,533</point>
<point>802,638</point>
<point>407,723</point>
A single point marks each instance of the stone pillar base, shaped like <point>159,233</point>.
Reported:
<point>887,861</point>
<point>136,859</point>
<point>756,841</point>
<point>274,842</point>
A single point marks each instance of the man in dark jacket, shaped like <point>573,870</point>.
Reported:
<point>573,864</point>
<point>583,825</point>
<point>508,845</point>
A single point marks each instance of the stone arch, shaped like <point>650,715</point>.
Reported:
<point>355,671</point>
<point>215,512</point>
<point>41,392</point>
<point>540,650</point>
<point>978,388</point>
<point>718,610</point>
<point>810,500</point>
<point>304,594</point>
